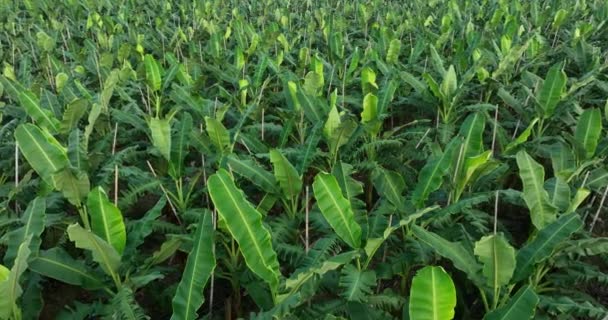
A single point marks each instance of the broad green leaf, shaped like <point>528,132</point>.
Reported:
<point>523,137</point>
<point>311,107</point>
<point>471,167</point>
<point>433,295</point>
<point>369,115</point>
<point>56,263</point>
<point>245,225</point>
<point>72,114</point>
<point>166,251</point>
<point>77,154</point>
<point>587,133</point>
<point>332,123</point>
<point>336,209</point>
<point>498,259</point>
<point>313,83</point>
<point>351,187</point>
<point>179,149</point>
<point>386,95</point>
<point>42,151</point>
<point>43,118</point>
<point>341,135</point>
<point>10,288</point>
<point>217,133</point>
<point>562,160</point>
<point>580,196</point>
<point>390,185</point>
<point>461,258</point>
<point>287,176</point>
<point>4,272</point>
<point>449,83</point>
<point>542,246</point>
<point>250,170</point>
<point>521,306</point>
<point>295,282</point>
<point>200,265</point>
<point>161,136</point>
<point>103,253</point>
<point>472,132</point>
<point>60,80</point>
<point>368,80</point>
<point>532,175</point>
<point>152,72</point>
<point>356,284</point>
<point>74,184</point>
<point>373,244</point>
<point>106,220</point>
<point>33,220</point>
<point>559,193</point>
<point>392,54</point>
<point>552,89</point>
<point>431,175</point>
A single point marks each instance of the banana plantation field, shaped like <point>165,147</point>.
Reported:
<point>271,159</point>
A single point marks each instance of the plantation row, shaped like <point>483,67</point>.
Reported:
<point>304,159</point>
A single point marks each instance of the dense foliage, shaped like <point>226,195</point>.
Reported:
<point>278,159</point>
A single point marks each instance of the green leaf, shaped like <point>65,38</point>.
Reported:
<point>521,306</point>
<point>41,150</point>
<point>74,184</point>
<point>106,220</point>
<point>523,137</point>
<point>394,48</point>
<point>218,134</point>
<point>373,244</point>
<point>199,267</point>
<point>542,246</point>
<point>386,95</point>
<point>77,153</point>
<point>390,185</point>
<point>336,209</point>
<point>245,225</point>
<point>369,115</point>
<point>532,174</point>
<point>431,175</point>
<point>311,107</point>
<point>103,253</point>
<point>56,263</point>
<point>449,84</point>
<point>152,72</point>
<point>368,80</point>
<point>43,118</point>
<point>287,176</point>
<point>10,288</point>
<point>332,123</point>
<point>33,220</point>
<point>580,196</point>
<point>588,132</point>
<point>559,193</point>
<point>356,284</point>
<point>161,136</point>
<point>72,114</point>
<point>472,132</point>
<point>433,295</point>
<point>471,168</point>
<point>341,135</point>
<point>552,89</point>
<point>4,273</point>
<point>296,281</point>
<point>498,259</point>
<point>179,149</point>
<point>461,258</point>
<point>249,169</point>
